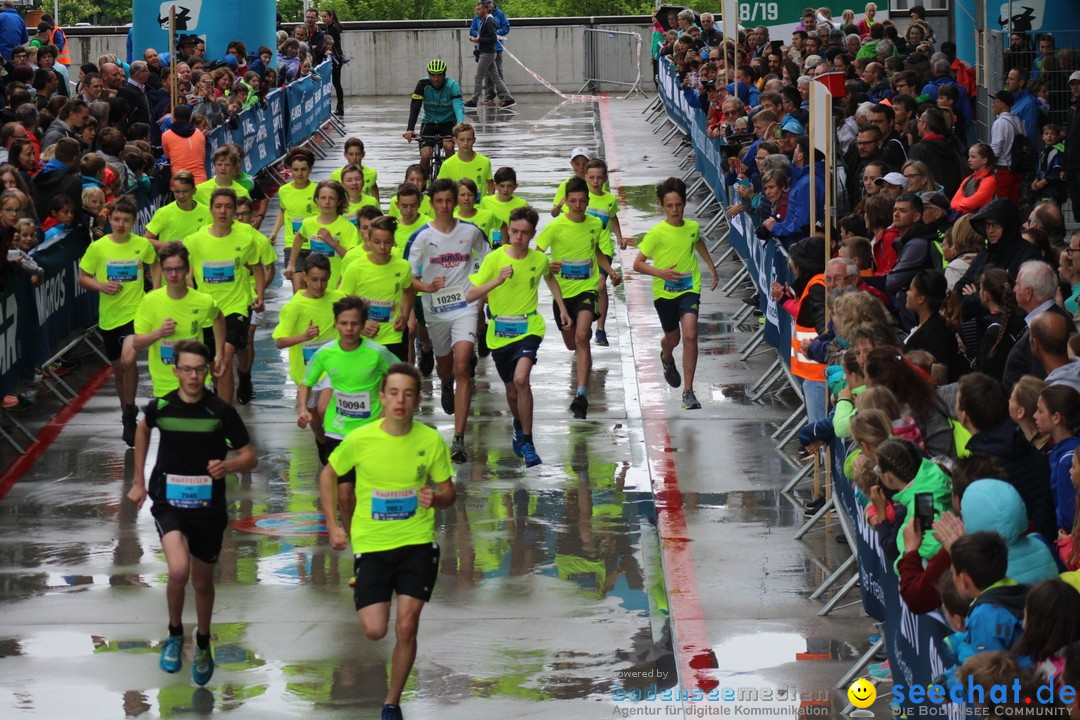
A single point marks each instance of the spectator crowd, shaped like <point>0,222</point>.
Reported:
<point>941,323</point>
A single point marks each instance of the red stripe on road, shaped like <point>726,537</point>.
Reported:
<point>692,649</point>
<point>48,434</point>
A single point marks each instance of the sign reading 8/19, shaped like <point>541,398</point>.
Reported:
<point>758,11</point>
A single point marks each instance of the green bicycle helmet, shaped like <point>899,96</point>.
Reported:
<point>436,67</point>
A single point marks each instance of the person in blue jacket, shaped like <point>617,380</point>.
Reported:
<point>796,223</point>
<point>502,27</point>
<point>1025,105</point>
<point>12,30</point>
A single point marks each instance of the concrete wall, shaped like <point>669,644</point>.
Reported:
<point>389,59</point>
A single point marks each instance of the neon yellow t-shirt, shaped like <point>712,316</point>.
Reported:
<point>478,170</point>
<point>501,209</point>
<point>192,313</point>
<point>297,205</point>
<point>425,207</point>
<point>390,471</point>
<point>365,200</point>
<point>670,246</point>
<point>296,316</point>
<point>560,192</point>
<point>341,229</point>
<point>264,251</point>
<point>574,244</point>
<point>170,222</point>
<point>204,190</point>
<point>356,377</point>
<point>513,304</point>
<point>371,177</point>
<point>110,261</point>
<point>603,207</point>
<point>490,225</point>
<point>382,286</point>
<point>218,264</point>
<point>404,232</point>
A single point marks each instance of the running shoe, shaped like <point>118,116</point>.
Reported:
<point>580,407</point>
<point>392,712</point>
<point>481,345</point>
<point>468,104</point>
<point>244,390</point>
<point>457,451</point>
<point>601,337</point>
<point>880,671</point>
<point>448,397</point>
<point>528,451</point>
<point>690,401</point>
<point>508,103</point>
<point>519,437</point>
<point>130,422</point>
<point>202,667</point>
<point>170,660</point>
<point>671,373</point>
<point>427,362</point>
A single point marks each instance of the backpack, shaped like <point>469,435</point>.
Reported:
<point>1023,154</point>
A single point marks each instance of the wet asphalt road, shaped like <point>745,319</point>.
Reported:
<point>554,588</point>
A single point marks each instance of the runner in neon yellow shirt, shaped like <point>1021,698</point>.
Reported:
<point>676,283</point>
<point>171,314</point>
<point>503,200</point>
<point>329,233</point>
<point>353,181</point>
<point>466,162</point>
<point>267,257</point>
<point>365,217</point>
<point>579,158</point>
<point>491,226</point>
<point>574,241</point>
<point>180,218</point>
<point>219,256</point>
<point>510,278</point>
<point>306,321</point>
<point>415,176</point>
<point>403,474</point>
<point>384,281</point>
<point>355,366</point>
<point>226,175</point>
<point>296,200</point>
<point>605,207</point>
<point>354,155</point>
<point>113,266</point>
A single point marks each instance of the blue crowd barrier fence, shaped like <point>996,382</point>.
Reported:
<point>914,642</point>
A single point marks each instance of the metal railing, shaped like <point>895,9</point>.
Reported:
<point>612,57</point>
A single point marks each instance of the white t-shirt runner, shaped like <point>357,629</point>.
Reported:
<point>455,256</point>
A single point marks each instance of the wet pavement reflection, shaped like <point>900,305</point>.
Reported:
<point>551,593</point>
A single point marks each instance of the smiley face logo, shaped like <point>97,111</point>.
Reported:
<point>862,693</point>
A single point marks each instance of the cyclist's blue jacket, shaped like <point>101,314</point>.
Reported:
<point>440,106</point>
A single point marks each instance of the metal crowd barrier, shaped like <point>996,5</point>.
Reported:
<point>613,57</point>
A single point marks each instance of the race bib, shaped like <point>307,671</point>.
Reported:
<point>122,271</point>
<point>511,326</point>
<point>576,269</point>
<point>219,271</point>
<point>393,504</point>
<point>310,349</point>
<point>167,357</point>
<point>354,406</point>
<point>380,310</point>
<point>296,223</point>
<point>321,246</point>
<point>602,215</point>
<point>496,237</point>
<point>189,491</point>
<point>447,299</point>
<point>684,282</point>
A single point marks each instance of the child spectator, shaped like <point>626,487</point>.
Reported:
<point>1057,414</point>
<point>1049,184</point>
<point>904,470</point>
<point>1069,551</point>
<point>995,620</point>
<point>93,202</point>
<point>1051,623</point>
<point>61,217</point>
<point>26,238</point>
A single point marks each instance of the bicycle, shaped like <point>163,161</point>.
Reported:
<point>438,152</point>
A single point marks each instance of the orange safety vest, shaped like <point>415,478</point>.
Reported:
<point>802,366</point>
<point>64,56</point>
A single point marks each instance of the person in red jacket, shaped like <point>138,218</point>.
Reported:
<point>980,187</point>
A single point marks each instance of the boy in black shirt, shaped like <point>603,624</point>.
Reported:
<point>187,487</point>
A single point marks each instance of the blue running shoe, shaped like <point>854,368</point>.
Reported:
<point>528,451</point>
<point>601,337</point>
<point>170,660</point>
<point>519,436</point>
<point>392,712</point>
<point>202,668</point>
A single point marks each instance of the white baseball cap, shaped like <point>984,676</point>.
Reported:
<point>1075,77</point>
<point>893,178</point>
<point>580,152</point>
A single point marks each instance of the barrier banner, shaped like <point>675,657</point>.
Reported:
<point>914,641</point>
<point>309,103</point>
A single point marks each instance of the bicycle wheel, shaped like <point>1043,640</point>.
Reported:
<point>436,162</point>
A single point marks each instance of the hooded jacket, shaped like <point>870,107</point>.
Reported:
<point>57,131</point>
<point>913,253</point>
<point>1009,253</point>
<point>796,223</point>
<point>58,179</point>
<point>994,622</point>
<point>940,155</point>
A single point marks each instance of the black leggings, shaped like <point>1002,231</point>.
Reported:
<point>336,76</point>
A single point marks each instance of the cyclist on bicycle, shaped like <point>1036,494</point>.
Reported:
<point>440,97</point>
